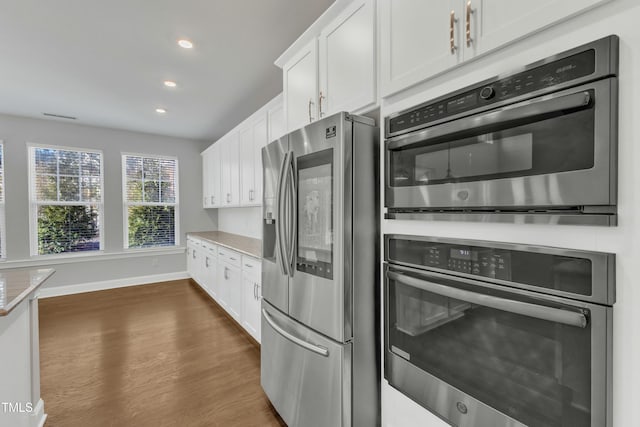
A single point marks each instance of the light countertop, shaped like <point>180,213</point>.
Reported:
<point>17,284</point>
<point>243,244</point>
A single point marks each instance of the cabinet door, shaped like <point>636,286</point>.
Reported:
<point>229,159</point>
<point>247,168</point>
<point>235,292</point>
<point>223,285</point>
<point>206,190</point>
<point>276,125</point>
<point>260,139</point>
<point>214,175</point>
<point>300,86</point>
<point>347,66</point>
<point>251,306</point>
<point>209,271</point>
<point>416,40</point>
<point>497,22</point>
<point>190,262</point>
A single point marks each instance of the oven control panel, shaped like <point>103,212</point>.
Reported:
<point>544,76</point>
<point>485,262</point>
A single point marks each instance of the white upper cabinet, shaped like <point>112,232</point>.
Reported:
<point>347,60</point>
<point>275,119</point>
<point>420,39</point>
<point>230,165</point>
<point>416,41</point>
<point>252,138</point>
<point>206,173</point>
<point>214,176</point>
<point>300,88</point>
<point>335,70</point>
<point>500,21</point>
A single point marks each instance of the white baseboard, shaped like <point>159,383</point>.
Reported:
<point>38,415</point>
<point>57,291</point>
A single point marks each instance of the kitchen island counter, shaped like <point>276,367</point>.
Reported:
<point>17,284</point>
<point>20,402</point>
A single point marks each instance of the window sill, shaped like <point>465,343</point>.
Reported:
<point>43,260</point>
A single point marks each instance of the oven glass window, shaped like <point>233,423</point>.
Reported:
<point>535,371</point>
<point>315,214</point>
<point>555,144</point>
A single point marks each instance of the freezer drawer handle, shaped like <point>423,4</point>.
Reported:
<point>302,343</point>
<point>518,307</point>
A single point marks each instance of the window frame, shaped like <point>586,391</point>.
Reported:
<point>126,204</point>
<point>33,203</point>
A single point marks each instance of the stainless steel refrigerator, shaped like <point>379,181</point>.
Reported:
<point>320,354</point>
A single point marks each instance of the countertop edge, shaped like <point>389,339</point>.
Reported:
<point>17,300</point>
<point>194,235</point>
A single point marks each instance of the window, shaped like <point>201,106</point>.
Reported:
<point>66,206</point>
<point>150,189</point>
<point>3,243</point>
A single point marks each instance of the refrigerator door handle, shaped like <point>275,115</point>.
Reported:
<point>280,210</point>
<point>293,217</point>
<point>322,351</point>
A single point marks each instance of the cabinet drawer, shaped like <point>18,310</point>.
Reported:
<point>227,255</point>
<point>251,266</point>
<point>212,250</point>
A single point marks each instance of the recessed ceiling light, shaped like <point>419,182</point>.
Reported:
<point>185,43</point>
<point>170,83</point>
<point>160,110</point>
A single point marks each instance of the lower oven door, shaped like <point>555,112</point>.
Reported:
<point>306,376</point>
<point>482,355</point>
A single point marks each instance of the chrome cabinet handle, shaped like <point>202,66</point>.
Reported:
<point>521,112</point>
<point>226,273</point>
<point>232,258</point>
<point>452,37</point>
<point>193,253</point>
<point>212,199</point>
<point>542,312</point>
<point>320,98</point>
<point>323,351</point>
<point>248,265</point>
<point>255,291</point>
<point>469,12</point>
<point>228,197</point>
<point>310,104</point>
<point>206,262</point>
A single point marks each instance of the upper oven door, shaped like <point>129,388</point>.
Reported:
<point>543,361</point>
<point>557,150</point>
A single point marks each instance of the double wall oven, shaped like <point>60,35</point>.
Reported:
<point>538,145</point>
<point>495,334</point>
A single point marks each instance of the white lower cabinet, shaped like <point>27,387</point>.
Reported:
<point>230,278</point>
<point>251,295</point>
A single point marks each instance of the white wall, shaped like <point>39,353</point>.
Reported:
<point>243,221</point>
<point>619,17</point>
<point>17,131</point>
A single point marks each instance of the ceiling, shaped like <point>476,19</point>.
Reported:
<point>104,62</point>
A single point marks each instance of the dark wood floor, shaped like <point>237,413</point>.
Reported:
<point>155,355</point>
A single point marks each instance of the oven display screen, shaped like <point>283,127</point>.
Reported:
<point>463,103</point>
<point>463,254</point>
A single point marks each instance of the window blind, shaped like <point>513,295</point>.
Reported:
<point>66,200</point>
<point>150,200</point>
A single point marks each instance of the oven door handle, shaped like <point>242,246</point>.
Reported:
<point>542,312</point>
<point>522,112</point>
